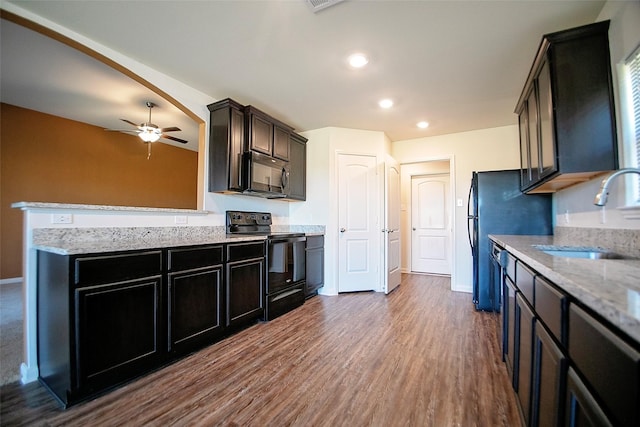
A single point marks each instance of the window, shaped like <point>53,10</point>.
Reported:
<point>630,97</point>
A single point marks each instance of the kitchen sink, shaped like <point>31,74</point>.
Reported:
<point>580,252</point>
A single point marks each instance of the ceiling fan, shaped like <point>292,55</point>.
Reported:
<point>149,132</point>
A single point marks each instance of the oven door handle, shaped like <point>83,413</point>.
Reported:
<point>287,239</point>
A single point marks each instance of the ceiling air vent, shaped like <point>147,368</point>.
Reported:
<point>317,5</point>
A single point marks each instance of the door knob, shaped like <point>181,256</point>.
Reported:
<point>342,230</point>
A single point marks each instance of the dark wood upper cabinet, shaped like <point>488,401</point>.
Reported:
<point>566,111</point>
<point>226,145</point>
<point>236,129</point>
<point>297,167</point>
<point>266,135</point>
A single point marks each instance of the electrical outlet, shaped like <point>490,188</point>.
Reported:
<point>181,219</point>
<point>459,203</point>
<point>61,218</point>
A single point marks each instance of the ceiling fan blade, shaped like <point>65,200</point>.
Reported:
<point>130,122</point>
<point>173,138</point>
<point>170,129</point>
<point>136,131</point>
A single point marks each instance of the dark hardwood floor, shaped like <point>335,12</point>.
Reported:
<point>421,356</point>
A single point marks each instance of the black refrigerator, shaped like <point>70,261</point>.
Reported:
<point>497,206</point>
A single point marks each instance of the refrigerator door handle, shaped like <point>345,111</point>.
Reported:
<point>470,217</point>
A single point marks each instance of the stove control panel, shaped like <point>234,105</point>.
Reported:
<point>238,218</point>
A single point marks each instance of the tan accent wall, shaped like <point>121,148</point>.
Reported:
<point>44,158</point>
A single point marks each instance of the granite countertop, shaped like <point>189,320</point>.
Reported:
<point>78,241</point>
<point>102,246</point>
<point>609,287</point>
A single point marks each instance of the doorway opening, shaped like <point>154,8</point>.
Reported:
<point>427,217</point>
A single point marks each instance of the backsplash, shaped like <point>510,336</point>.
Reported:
<point>620,240</point>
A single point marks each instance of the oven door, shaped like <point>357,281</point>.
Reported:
<point>286,259</point>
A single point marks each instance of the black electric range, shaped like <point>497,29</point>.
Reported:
<point>285,284</point>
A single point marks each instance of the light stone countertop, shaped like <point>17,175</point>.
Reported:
<point>78,241</point>
<point>104,246</point>
<point>610,287</point>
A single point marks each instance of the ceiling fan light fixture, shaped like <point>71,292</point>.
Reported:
<point>149,134</point>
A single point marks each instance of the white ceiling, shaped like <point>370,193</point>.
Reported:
<point>458,64</point>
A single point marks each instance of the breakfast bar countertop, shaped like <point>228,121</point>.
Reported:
<point>609,287</point>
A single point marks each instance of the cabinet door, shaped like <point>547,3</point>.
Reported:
<point>245,291</point>
<point>281,143</point>
<point>611,367</point>
<point>236,148</point>
<point>194,308</point>
<point>525,162</point>
<point>261,134</point>
<point>511,330</point>
<point>315,269</point>
<point>581,409</point>
<point>547,134</point>
<point>534,155</point>
<point>297,169</point>
<point>549,380</point>
<point>226,145</point>
<point>118,331</point>
<point>525,356</point>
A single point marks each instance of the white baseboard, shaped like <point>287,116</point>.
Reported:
<point>10,280</point>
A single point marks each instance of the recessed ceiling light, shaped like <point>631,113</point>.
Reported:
<point>358,60</point>
<point>423,125</point>
<point>385,103</point>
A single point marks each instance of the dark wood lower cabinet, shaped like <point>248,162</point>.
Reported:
<point>525,355</point>
<point>549,380</point>
<point>314,265</point>
<point>582,409</point>
<point>246,279</point>
<point>195,315</point>
<point>245,295</point>
<point>509,330</point>
<point>569,366</point>
<point>104,319</point>
<point>118,329</point>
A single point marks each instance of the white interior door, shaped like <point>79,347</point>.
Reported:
<point>358,220</point>
<point>392,225</point>
<point>430,224</point>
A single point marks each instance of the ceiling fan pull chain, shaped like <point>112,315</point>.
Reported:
<point>148,150</point>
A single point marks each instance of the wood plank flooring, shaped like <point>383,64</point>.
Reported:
<point>421,356</point>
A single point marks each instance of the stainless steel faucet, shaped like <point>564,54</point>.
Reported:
<point>601,197</point>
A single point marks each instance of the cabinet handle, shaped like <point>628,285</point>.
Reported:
<point>342,230</point>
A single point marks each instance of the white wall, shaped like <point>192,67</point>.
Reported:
<point>486,149</point>
<point>574,206</point>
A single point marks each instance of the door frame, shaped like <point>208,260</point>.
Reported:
<point>449,220</point>
<point>405,223</point>
<point>335,215</point>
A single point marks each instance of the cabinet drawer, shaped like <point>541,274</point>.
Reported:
<point>609,365</point>
<point>189,258</point>
<point>551,307</point>
<point>240,251</point>
<point>524,281</point>
<point>114,268</point>
<point>314,242</point>
<point>510,267</point>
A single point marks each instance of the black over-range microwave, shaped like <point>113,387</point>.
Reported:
<point>265,176</point>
